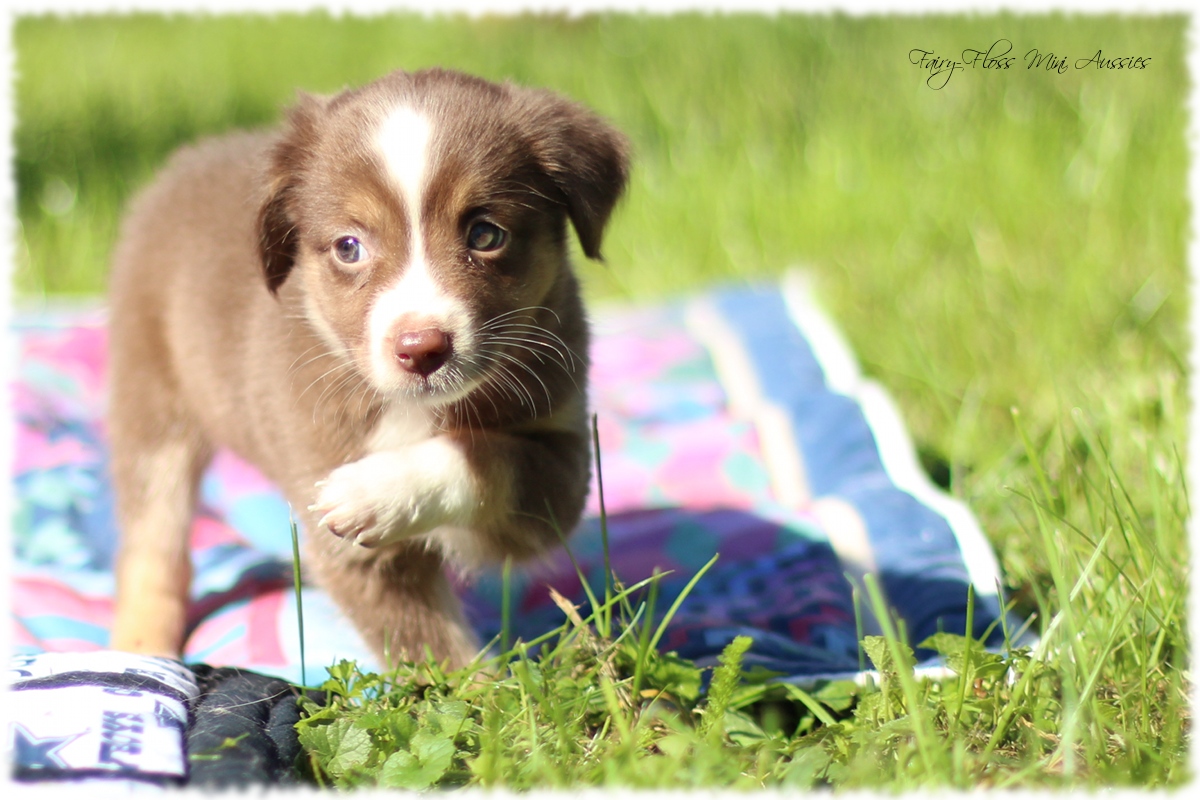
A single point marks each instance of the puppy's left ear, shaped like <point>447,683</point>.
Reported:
<point>587,159</point>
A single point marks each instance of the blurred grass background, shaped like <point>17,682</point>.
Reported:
<point>1014,240</point>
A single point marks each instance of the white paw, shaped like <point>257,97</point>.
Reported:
<point>386,497</point>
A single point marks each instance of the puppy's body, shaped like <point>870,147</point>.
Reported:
<point>374,306</point>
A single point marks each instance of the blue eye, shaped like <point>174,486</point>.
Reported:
<point>349,250</point>
<point>485,237</point>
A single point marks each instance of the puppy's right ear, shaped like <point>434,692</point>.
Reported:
<point>277,232</point>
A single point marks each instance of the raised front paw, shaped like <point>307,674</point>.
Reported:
<point>390,496</point>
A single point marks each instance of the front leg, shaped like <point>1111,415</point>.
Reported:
<point>484,494</point>
<point>392,495</point>
<point>477,496</point>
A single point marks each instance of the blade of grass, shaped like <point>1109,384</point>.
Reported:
<point>506,604</point>
<point>1031,454</point>
<point>583,580</point>
<point>662,627</point>
<point>964,675</point>
<point>907,681</point>
<point>644,637</point>
<point>818,710</point>
<point>299,598</point>
<point>607,627</point>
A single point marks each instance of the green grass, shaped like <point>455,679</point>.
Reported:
<point>1014,241</point>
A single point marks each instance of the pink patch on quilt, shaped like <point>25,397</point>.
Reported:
<point>664,425</point>
<point>60,617</point>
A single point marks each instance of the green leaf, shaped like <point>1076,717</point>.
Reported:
<point>675,675</point>
<point>429,759</point>
<point>758,674</point>
<point>455,710</point>
<point>340,746</point>
<point>877,651</point>
<point>838,695</point>
<point>402,770</point>
<point>807,768</point>
<point>954,647</point>
<point>402,726</point>
<point>901,727</point>
<point>315,739</point>
<point>948,644</point>
<point>675,745</point>
<point>870,706</point>
<point>990,666</point>
<point>341,676</point>
<point>435,752</point>
<point>742,730</point>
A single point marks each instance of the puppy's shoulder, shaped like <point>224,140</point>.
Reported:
<point>194,218</point>
<point>203,188</point>
<point>229,150</point>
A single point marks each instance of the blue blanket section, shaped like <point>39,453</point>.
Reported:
<point>914,549</point>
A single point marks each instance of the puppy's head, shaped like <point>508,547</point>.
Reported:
<point>424,216</point>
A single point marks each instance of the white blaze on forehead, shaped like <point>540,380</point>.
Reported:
<point>404,142</point>
<point>416,300</point>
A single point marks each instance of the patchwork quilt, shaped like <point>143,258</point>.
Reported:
<point>735,423</point>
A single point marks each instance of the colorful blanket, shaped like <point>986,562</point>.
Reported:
<point>734,423</point>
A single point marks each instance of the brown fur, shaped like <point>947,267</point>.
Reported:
<point>233,326</point>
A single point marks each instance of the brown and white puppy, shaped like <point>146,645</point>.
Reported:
<point>374,306</point>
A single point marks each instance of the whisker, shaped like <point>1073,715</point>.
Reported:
<point>514,360</point>
<point>518,390</point>
<point>323,378</point>
<point>566,359</point>
<point>480,364</point>
<point>522,310</point>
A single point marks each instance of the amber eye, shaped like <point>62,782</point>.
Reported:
<point>485,237</point>
<point>349,250</point>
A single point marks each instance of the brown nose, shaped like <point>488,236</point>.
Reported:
<point>422,352</point>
